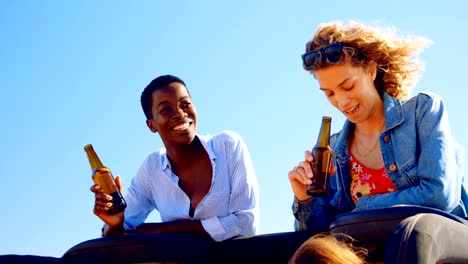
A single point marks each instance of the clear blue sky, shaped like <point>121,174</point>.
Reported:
<point>71,73</point>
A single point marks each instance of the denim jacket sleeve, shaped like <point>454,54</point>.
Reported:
<point>310,215</point>
<point>316,213</point>
<point>421,157</point>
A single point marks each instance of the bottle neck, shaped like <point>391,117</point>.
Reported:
<point>323,139</point>
<point>93,158</point>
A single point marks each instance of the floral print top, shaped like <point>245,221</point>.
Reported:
<point>368,182</point>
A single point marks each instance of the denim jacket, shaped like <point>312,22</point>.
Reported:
<point>420,156</point>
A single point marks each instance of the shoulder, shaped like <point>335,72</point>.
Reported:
<point>155,159</point>
<point>425,98</point>
<point>224,142</point>
<point>224,137</point>
<point>334,138</point>
<point>342,134</point>
<point>426,103</point>
<point>426,95</point>
<point>157,154</point>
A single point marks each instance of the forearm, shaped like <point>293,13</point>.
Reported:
<point>113,224</point>
<point>310,215</point>
<point>423,195</point>
<point>177,226</point>
<point>112,231</point>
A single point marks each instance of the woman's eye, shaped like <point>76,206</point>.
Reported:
<point>348,88</point>
<point>186,105</point>
<point>165,110</point>
<point>328,94</point>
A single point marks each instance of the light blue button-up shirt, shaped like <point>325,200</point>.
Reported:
<point>229,209</point>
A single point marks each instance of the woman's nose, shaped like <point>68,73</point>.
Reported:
<point>342,101</point>
<point>180,113</point>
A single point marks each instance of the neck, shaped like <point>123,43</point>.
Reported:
<point>182,156</point>
<point>366,141</point>
<point>374,123</point>
<point>370,129</point>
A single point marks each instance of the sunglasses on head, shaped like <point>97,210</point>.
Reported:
<point>329,54</point>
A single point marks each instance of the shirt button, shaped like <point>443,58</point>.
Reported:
<point>386,139</point>
<point>237,231</point>
<point>392,167</point>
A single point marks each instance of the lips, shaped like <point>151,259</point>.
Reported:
<point>352,109</point>
<point>182,125</point>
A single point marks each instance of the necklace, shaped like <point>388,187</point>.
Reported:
<point>356,144</point>
<point>369,151</point>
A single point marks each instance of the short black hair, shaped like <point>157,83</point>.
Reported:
<point>147,94</point>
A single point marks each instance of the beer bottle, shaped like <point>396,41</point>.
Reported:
<point>102,176</point>
<point>323,157</point>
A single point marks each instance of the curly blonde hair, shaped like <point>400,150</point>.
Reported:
<point>398,65</point>
<point>325,248</point>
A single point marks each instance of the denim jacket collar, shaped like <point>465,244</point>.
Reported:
<point>393,110</point>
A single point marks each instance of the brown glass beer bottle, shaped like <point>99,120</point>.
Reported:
<point>102,176</point>
<point>323,158</point>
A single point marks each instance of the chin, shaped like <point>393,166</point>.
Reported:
<point>186,138</point>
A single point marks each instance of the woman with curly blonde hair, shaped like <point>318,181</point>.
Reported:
<point>329,249</point>
<point>395,59</point>
<point>393,149</point>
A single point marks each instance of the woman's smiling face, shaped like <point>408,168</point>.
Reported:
<point>350,89</point>
<point>174,115</point>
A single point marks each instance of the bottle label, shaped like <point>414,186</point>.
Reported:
<point>323,158</point>
<point>103,177</point>
<point>327,161</point>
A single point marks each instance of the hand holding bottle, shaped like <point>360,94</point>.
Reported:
<point>103,203</point>
<point>301,176</point>
<point>315,171</point>
<point>109,203</point>
<point>322,162</point>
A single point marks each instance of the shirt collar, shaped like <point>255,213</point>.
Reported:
<point>206,143</point>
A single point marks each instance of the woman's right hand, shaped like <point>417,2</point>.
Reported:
<point>102,204</point>
<point>301,176</point>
